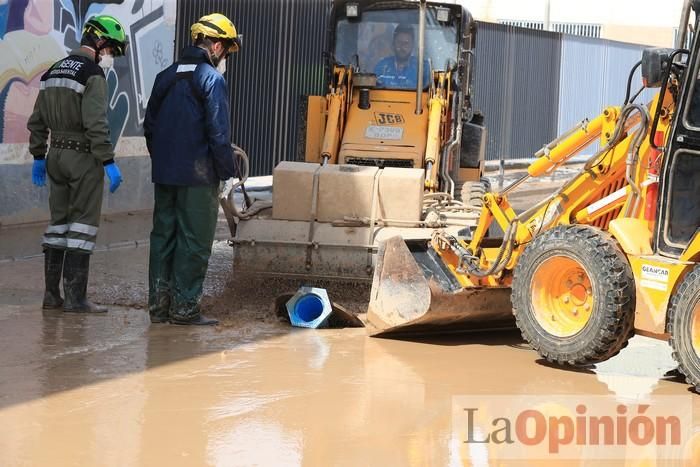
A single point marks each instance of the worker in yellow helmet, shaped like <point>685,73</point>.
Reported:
<point>188,133</point>
<point>221,30</point>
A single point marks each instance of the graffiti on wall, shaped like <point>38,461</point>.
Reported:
<point>36,33</point>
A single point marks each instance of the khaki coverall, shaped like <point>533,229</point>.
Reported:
<point>71,109</point>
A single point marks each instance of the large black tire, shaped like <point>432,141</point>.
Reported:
<point>683,316</point>
<point>586,285</point>
<point>302,117</point>
<point>472,192</point>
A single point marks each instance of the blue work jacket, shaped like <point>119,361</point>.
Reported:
<point>390,76</point>
<point>187,124</point>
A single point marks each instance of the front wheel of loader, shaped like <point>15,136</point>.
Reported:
<point>573,296</point>
<point>684,327</point>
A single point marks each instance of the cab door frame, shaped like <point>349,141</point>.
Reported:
<point>682,148</point>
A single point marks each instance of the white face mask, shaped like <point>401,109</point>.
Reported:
<point>106,61</point>
<point>221,67</point>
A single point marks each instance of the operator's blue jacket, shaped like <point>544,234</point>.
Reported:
<point>187,123</point>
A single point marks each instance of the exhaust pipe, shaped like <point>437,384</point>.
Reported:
<point>683,26</point>
<point>421,55</point>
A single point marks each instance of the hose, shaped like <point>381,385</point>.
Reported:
<point>227,194</point>
<point>662,95</point>
<point>445,202</point>
<point>455,138</point>
<point>629,82</point>
<point>634,98</point>
<point>625,114</point>
<point>256,189</point>
<point>499,264</point>
<point>633,156</point>
<point>620,128</point>
<point>242,176</point>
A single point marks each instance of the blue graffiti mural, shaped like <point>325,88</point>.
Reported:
<point>36,33</point>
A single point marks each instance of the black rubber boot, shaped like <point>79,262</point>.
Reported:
<point>53,268</point>
<point>159,304</point>
<point>76,269</point>
<point>198,320</point>
<point>155,319</point>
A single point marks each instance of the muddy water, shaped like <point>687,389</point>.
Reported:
<point>113,390</point>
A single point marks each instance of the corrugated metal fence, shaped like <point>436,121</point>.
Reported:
<point>594,76</point>
<point>281,59</point>
<point>516,87</point>
<point>531,85</point>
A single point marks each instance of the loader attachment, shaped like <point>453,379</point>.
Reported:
<point>414,293</point>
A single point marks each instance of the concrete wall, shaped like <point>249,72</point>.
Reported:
<point>36,33</point>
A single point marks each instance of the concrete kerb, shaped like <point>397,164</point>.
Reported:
<point>259,186</point>
<point>108,247</point>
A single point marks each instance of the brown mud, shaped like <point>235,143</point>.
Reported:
<point>116,390</point>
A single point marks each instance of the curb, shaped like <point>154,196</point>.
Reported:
<point>129,244</point>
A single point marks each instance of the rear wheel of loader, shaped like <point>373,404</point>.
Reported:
<point>573,296</point>
<point>302,118</point>
<point>472,193</point>
<point>684,327</point>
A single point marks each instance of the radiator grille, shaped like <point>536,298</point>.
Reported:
<point>379,162</point>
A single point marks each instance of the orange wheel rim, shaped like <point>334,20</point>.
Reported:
<point>695,328</point>
<point>562,296</point>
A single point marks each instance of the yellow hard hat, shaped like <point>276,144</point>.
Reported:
<point>217,26</point>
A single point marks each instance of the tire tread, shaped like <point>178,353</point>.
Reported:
<point>689,285</point>
<point>619,298</point>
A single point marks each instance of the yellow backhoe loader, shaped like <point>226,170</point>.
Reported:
<point>614,251</point>
<point>388,150</point>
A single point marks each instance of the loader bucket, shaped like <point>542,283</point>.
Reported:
<point>414,293</point>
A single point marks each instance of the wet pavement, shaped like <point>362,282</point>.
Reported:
<point>117,231</point>
<point>116,391</point>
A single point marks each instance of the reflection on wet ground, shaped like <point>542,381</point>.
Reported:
<point>114,390</point>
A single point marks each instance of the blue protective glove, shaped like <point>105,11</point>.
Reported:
<point>115,176</point>
<point>39,172</point>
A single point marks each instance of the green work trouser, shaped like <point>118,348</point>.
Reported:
<point>184,222</point>
<point>75,200</point>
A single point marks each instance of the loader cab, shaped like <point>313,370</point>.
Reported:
<point>678,205</point>
<point>379,41</point>
<point>364,33</point>
<point>382,38</point>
